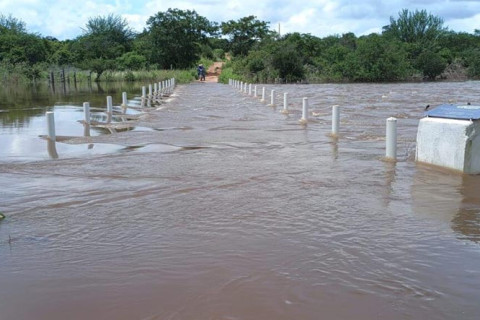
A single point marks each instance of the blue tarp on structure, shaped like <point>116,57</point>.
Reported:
<point>450,111</point>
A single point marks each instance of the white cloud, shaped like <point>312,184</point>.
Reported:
<point>65,18</point>
<point>135,21</point>
<point>468,25</point>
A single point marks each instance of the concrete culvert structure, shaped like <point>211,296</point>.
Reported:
<point>449,136</point>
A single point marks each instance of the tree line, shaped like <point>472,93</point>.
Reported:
<point>414,46</point>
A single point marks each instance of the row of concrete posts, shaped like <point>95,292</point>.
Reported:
<point>251,90</point>
<point>155,93</point>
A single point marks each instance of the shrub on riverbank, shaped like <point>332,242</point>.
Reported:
<point>181,76</point>
<point>18,74</point>
<point>227,73</point>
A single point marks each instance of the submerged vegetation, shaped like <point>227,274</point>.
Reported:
<point>414,46</point>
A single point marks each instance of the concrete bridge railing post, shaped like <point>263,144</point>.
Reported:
<point>391,139</point>
<point>272,98</point>
<point>304,109</point>
<point>50,125</point>
<point>335,119</point>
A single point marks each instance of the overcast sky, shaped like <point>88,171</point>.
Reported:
<point>64,19</point>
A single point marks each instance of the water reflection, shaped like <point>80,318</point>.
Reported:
<point>449,197</point>
<point>86,129</point>
<point>334,144</point>
<point>19,104</point>
<point>22,110</point>
<point>390,175</point>
<point>466,221</point>
<point>52,149</point>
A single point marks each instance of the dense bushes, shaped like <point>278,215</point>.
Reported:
<point>413,46</point>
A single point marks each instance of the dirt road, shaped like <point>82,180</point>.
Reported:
<point>213,72</point>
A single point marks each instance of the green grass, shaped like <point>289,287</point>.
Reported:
<point>181,76</point>
<point>227,73</point>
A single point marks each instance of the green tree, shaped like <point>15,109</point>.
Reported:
<point>415,27</point>
<point>421,32</point>
<point>472,61</point>
<point>245,33</point>
<point>305,44</point>
<point>131,61</point>
<point>431,64</point>
<point>289,63</point>
<point>378,59</point>
<point>174,38</point>
<point>458,43</point>
<point>334,61</point>
<point>11,25</point>
<point>21,52</point>
<point>105,39</point>
<point>59,52</point>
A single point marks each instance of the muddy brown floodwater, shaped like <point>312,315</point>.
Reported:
<point>229,209</point>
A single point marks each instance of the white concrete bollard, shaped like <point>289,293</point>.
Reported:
<point>109,109</point>
<point>51,125</point>
<point>241,86</point>
<point>305,109</point>
<point>155,88</point>
<point>272,97</point>
<point>255,91</point>
<point>109,104</point>
<point>250,89</point>
<point>86,112</point>
<point>263,94</point>
<point>144,96</point>
<point>124,99</point>
<point>245,88</point>
<point>149,96</point>
<point>391,138</point>
<point>285,103</point>
<point>335,119</point>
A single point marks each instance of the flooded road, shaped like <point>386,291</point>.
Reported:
<point>228,209</point>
